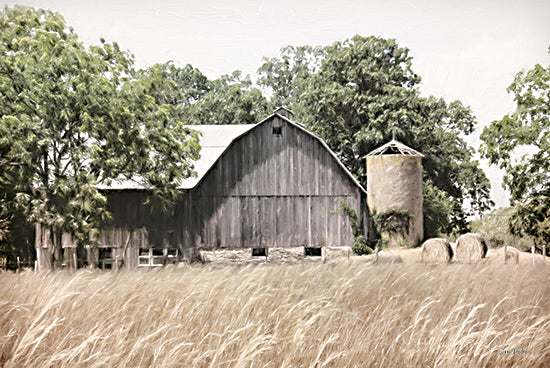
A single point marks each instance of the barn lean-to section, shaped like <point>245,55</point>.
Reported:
<point>270,191</point>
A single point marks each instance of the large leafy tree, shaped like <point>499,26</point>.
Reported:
<point>15,232</point>
<point>495,228</point>
<point>532,219</point>
<point>231,99</point>
<point>195,100</point>
<point>175,87</point>
<point>355,94</point>
<point>73,118</point>
<point>286,77</point>
<point>520,144</point>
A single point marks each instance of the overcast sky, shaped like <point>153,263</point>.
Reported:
<point>468,50</point>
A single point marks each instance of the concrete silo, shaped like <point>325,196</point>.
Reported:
<point>394,180</point>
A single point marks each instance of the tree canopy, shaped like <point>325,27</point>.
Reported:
<point>75,117</point>
<point>355,94</point>
<point>519,143</point>
<point>195,100</point>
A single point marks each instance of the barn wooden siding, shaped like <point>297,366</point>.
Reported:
<point>266,190</point>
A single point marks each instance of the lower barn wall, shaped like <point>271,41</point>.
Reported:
<point>222,229</point>
<point>201,223</point>
<point>274,255</point>
<point>275,221</point>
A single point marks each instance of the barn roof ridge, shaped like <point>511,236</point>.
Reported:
<point>215,140</point>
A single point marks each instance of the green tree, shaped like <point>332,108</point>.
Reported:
<point>496,230</point>
<point>532,219</point>
<point>231,99</point>
<point>178,88</point>
<point>15,233</point>
<point>78,118</point>
<point>506,142</point>
<point>195,100</point>
<point>355,94</point>
<point>285,78</point>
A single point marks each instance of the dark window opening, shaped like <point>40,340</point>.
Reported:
<point>158,252</point>
<point>277,130</point>
<point>259,252</point>
<point>392,151</point>
<point>157,257</point>
<point>171,256</point>
<point>313,251</point>
<point>143,258</point>
<point>105,258</point>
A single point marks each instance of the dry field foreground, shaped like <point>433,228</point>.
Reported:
<point>301,315</point>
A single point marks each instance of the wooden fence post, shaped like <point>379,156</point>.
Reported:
<point>505,249</point>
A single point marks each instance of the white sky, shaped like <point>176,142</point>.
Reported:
<point>468,50</point>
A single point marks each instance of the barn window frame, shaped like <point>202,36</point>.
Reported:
<point>157,257</point>
<point>277,131</point>
<point>108,258</point>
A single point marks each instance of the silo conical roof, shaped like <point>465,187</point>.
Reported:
<point>394,147</point>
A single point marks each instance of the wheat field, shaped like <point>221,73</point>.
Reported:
<point>299,315</point>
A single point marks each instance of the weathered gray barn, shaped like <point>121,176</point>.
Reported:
<point>267,191</point>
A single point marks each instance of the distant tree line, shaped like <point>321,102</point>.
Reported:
<point>74,117</point>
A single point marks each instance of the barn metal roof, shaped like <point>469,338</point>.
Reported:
<point>214,141</point>
<point>394,147</point>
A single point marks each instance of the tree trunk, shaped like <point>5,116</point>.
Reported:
<point>56,250</point>
<point>43,258</point>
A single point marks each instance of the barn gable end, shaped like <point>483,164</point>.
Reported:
<point>278,157</point>
<point>276,185</point>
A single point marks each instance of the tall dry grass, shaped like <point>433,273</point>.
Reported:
<point>306,315</point>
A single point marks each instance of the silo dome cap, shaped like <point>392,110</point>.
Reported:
<point>394,147</point>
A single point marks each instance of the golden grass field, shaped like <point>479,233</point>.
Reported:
<point>341,314</point>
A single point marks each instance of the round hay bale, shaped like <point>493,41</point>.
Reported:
<point>470,248</point>
<point>437,250</point>
<point>512,255</point>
